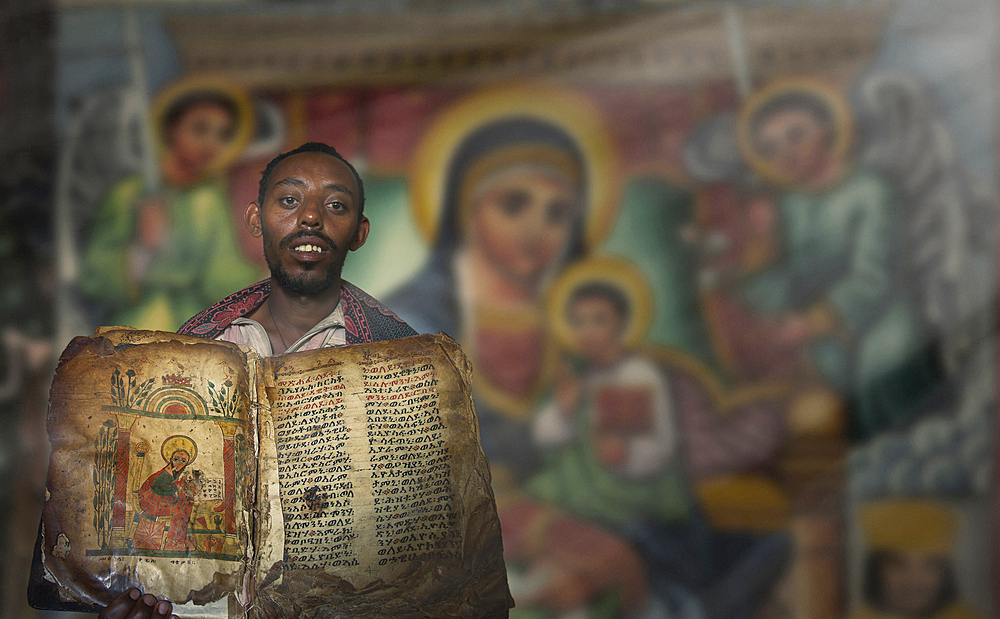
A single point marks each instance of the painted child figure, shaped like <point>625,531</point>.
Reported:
<point>610,429</point>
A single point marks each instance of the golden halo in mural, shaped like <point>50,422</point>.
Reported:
<point>804,91</point>
<point>617,273</point>
<point>215,84</point>
<point>175,442</point>
<point>563,108</point>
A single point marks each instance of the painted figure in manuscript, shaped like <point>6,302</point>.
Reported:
<point>165,501</point>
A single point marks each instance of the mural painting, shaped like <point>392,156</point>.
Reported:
<point>728,290</point>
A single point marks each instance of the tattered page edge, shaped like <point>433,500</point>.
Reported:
<point>487,514</point>
<point>270,520</point>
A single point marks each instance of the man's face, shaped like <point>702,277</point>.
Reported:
<point>795,142</point>
<point>911,582</point>
<point>309,221</point>
<point>201,134</point>
<point>597,329</point>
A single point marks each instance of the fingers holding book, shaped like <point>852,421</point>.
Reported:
<point>133,605</point>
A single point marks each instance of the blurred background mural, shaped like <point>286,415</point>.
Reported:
<point>725,270</point>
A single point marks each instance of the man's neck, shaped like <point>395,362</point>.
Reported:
<point>287,316</point>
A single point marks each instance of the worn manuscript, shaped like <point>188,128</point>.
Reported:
<point>340,482</point>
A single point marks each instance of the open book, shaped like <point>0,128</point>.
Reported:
<point>336,482</point>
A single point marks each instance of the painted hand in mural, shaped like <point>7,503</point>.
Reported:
<point>568,388</point>
<point>792,330</point>
<point>153,224</point>
<point>133,605</point>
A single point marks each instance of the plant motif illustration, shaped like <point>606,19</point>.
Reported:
<point>223,400</point>
<point>105,446</point>
<point>125,392</point>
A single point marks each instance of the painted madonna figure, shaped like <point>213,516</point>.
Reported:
<point>512,214</point>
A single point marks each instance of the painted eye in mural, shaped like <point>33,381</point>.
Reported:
<point>226,135</point>
<point>557,212</point>
<point>514,202</point>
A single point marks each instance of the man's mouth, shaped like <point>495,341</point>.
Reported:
<point>307,248</point>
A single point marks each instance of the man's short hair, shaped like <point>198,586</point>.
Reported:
<point>602,290</point>
<point>310,147</point>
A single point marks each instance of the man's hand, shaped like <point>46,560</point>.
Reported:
<point>133,605</point>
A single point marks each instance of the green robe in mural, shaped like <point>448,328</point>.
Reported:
<point>200,264</point>
<point>841,250</point>
<point>574,478</point>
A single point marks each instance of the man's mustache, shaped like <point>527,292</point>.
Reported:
<point>291,238</point>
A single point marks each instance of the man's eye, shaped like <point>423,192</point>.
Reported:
<point>336,206</point>
<point>287,201</point>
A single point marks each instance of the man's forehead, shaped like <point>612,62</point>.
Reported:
<point>314,167</point>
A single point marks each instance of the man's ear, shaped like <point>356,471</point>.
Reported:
<point>360,235</point>
<point>251,217</point>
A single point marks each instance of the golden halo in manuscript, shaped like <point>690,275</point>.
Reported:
<point>178,442</point>
<point>616,273</point>
<point>561,107</point>
<point>207,84</point>
<point>805,91</point>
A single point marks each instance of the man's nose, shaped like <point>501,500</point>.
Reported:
<point>310,215</point>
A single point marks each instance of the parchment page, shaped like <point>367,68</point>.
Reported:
<point>152,455</point>
<point>384,490</point>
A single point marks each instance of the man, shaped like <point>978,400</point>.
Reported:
<point>309,213</point>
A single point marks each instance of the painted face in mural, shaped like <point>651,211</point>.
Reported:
<point>200,134</point>
<point>597,325</point>
<point>179,460</point>
<point>521,220</point>
<point>911,582</point>
<point>309,221</point>
<point>796,142</point>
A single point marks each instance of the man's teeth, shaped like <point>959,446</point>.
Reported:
<point>307,248</point>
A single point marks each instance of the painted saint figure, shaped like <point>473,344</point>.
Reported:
<point>158,255</point>
<point>909,571</point>
<point>512,216</point>
<point>165,501</point>
<point>835,291</point>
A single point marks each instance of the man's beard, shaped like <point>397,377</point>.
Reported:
<point>301,285</point>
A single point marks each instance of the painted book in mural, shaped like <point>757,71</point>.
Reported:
<point>336,482</point>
